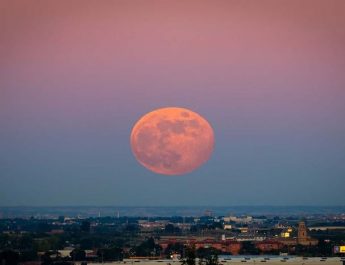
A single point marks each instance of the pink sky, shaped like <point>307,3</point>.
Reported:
<point>76,75</point>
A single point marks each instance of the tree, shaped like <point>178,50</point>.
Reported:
<point>78,254</point>
<point>9,257</point>
<point>194,229</point>
<point>110,254</point>
<point>174,248</point>
<point>28,255</point>
<point>4,241</point>
<point>131,228</point>
<point>85,226</point>
<point>212,259</point>
<point>148,248</point>
<point>171,229</point>
<point>189,256</point>
<point>249,248</point>
<point>46,259</point>
<point>49,257</point>
<point>208,256</point>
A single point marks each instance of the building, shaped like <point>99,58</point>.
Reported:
<point>269,245</point>
<point>151,226</point>
<point>227,227</point>
<point>239,220</point>
<point>303,238</point>
<point>226,246</point>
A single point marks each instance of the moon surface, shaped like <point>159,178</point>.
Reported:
<point>172,141</point>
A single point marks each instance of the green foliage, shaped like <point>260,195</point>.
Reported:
<point>189,256</point>
<point>208,256</point>
<point>78,254</point>
<point>110,254</point>
<point>148,248</point>
<point>171,229</point>
<point>321,249</point>
<point>174,248</point>
<point>249,248</point>
<point>85,226</point>
<point>132,228</point>
<point>4,241</point>
<point>54,242</point>
<point>28,255</point>
<point>9,257</point>
<point>205,252</point>
<point>49,256</point>
<point>16,241</point>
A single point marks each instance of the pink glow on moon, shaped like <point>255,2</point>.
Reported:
<point>172,141</point>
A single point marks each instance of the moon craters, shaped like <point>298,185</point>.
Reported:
<point>172,141</point>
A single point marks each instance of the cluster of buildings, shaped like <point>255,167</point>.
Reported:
<point>301,239</point>
<point>228,234</point>
<point>234,245</point>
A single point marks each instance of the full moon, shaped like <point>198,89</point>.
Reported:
<point>172,141</point>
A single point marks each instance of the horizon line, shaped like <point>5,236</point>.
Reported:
<point>174,206</point>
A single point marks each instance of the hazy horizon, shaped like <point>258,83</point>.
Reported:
<point>164,211</point>
<point>172,206</point>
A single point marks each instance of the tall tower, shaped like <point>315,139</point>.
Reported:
<point>302,233</point>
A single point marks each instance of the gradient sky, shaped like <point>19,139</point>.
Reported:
<point>76,75</point>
